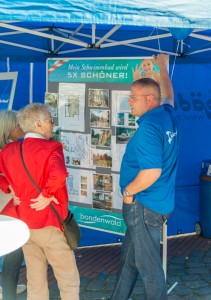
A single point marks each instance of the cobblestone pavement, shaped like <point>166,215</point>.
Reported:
<point>191,275</point>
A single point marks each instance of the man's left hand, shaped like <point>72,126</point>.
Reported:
<point>128,199</point>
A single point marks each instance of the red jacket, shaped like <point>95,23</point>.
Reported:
<point>45,162</point>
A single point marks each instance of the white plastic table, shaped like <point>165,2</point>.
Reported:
<point>14,233</point>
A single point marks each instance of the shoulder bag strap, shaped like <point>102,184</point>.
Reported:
<point>34,183</point>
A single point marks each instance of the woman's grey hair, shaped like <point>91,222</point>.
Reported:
<point>31,113</point>
<point>8,122</point>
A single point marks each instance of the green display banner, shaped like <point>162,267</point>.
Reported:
<point>99,219</point>
<point>109,70</point>
<point>75,76</point>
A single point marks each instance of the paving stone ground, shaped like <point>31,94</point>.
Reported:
<point>191,275</point>
<point>188,274</point>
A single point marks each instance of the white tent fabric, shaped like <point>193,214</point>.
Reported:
<point>159,13</point>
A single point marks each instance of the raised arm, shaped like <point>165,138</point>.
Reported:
<point>167,92</point>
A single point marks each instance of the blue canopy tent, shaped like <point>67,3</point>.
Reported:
<point>32,31</point>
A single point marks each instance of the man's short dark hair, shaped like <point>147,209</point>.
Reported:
<point>148,82</point>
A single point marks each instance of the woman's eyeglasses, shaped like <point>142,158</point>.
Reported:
<point>51,120</point>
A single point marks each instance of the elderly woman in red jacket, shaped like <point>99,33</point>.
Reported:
<point>47,244</point>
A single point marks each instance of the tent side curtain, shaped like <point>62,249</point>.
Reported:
<point>159,13</point>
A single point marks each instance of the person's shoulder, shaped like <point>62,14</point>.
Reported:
<point>168,107</point>
<point>155,112</point>
<point>149,120</point>
<point>154,117</point>
<point>47,144</point>
<point>54,144</point>
<point>11,145</point>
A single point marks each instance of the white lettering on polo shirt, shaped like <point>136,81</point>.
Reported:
<point>170,135</point>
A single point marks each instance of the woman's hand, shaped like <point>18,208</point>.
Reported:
<point>16,200</point>
<point>42,202</point>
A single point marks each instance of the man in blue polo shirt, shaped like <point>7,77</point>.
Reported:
<point>147,181</point>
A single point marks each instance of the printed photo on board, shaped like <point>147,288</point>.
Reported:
<point>123,134</point>
<point>102,201</point>
<point>52,100</point>
<point>102,158</point>
<point>99,98</point>
<point>100,118</point>
<point>101,137</point>
<point>103,182</point>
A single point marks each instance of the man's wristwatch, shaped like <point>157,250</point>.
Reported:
<point>126,193</point>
